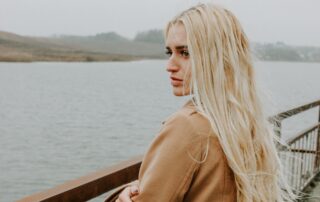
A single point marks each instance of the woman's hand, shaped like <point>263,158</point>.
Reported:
<point>128,192</point>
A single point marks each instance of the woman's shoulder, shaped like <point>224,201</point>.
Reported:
<point>189,117</point>
<point>192,131</point>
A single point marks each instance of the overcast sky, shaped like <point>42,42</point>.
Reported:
<point>295,22</point>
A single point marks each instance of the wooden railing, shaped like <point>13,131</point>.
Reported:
<point>304,161</point>
<point>92,185</point>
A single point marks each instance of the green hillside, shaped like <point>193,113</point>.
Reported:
<point>101,47</point>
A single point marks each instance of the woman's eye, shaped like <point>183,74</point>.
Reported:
<point>184,53</point>
<point>168,53</point>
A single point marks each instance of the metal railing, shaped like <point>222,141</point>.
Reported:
<point>304,158</point>
<point>304,162</point>
<point>302,153</point>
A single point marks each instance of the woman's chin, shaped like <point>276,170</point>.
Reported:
<point>179,92</point>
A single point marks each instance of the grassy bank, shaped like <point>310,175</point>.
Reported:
<point>64,57</point>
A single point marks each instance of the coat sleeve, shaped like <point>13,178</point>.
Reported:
<point>171,162</point>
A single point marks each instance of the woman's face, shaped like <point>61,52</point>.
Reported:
<point>178,65</point>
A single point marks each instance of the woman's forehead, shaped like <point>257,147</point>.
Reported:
<point>177,35</point>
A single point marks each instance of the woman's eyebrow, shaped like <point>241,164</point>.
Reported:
<point>181,47</point>
<point>178,47</point>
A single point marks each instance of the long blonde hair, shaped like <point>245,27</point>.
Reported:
<point>224,91</point>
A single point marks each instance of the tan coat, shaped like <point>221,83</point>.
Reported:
<point>171,169</point>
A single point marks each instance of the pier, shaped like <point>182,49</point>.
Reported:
<point>301,154</point>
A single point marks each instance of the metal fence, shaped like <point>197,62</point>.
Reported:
<point>301,155</point>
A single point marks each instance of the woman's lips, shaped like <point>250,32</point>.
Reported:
<point>175,81</point>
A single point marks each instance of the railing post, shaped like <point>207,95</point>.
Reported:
<point>317,162</point>
<point>278,125</point>
<point>277,131</point>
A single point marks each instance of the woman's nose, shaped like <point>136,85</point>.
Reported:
<point>172,66</point>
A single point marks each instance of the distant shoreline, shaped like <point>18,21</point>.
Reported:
<point>109,47</point>
<point>70,58</point>
<point>88,59</point>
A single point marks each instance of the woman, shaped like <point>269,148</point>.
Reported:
<point>219,146</point>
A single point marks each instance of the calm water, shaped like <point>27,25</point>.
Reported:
<point>59,121</point>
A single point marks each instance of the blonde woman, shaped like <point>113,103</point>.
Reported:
<point>218,147</point>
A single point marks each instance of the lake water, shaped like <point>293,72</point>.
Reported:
<point>59,121</point>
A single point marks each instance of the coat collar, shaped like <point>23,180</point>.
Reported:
<point>190,107</point>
